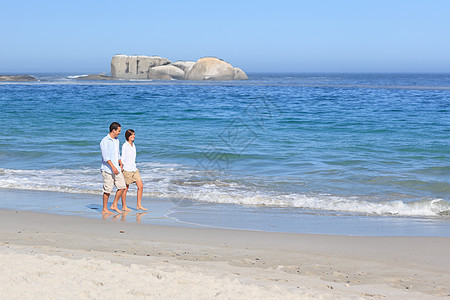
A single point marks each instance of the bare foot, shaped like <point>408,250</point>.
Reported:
<point>125,208</point>
<point>116,209</point>
<point>141,207</point>
<point>107,212</point>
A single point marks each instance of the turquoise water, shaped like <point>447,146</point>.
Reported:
<point>284,145</point>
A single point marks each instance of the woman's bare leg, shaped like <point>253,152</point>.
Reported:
<point>140,187</point>
<point>124,199</point>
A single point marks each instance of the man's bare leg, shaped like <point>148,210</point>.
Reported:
<point>140,187</point>
<point>116,200</point>
<point>124,199</point>
<point>105,205</point>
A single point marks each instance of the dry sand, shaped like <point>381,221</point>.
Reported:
<point>44,256</point>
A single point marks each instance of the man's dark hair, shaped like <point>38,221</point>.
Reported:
<point>114,126</point>
<point>128,133</point>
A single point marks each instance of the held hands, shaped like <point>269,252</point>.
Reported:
<point>115,171</point>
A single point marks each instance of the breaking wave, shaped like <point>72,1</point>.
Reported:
<point>174,181</point>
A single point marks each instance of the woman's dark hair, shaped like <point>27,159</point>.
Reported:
<point>114,126</point>
<point>128,133</point>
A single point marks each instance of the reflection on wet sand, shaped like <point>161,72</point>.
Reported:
<point>123,216</point>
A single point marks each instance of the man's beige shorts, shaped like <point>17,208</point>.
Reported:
<point>131,177</point>
<point>111,180</point>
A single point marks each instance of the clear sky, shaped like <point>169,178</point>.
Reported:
<point>258,36</point>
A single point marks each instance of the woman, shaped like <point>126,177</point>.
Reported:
<point>130,172</point>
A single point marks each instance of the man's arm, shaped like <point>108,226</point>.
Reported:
<point>115,171</point>
<point>106,154</point>
<point>106,151</point>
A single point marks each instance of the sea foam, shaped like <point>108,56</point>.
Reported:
<point>174,181</point>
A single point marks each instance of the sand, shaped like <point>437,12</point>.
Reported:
<point>45,256</point>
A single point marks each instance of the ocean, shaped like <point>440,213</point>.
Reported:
<point>356,154</point>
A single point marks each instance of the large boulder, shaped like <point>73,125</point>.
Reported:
<point>186,66</point>
<point>135,66</point>
<point>239,74</point>
<point>166,72</point>
<point>211,68</point>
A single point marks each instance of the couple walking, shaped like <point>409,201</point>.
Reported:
<point>119,171</point>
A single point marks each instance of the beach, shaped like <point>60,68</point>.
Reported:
<point>285,186</point>
<point>293,150</point>
<point>52,256</point>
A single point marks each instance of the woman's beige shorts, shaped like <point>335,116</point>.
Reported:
<point>131,177</point>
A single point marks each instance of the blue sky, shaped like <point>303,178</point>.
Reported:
<point>258,36</point>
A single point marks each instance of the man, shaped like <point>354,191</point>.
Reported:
<point>111,168</point>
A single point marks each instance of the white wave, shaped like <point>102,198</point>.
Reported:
<point>60,180</point>
<point>77,76</point>
<point>181,182</point>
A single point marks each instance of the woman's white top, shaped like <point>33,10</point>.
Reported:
<point>129,157</point>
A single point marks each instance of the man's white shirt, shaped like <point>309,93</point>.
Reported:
<point>110,151</point>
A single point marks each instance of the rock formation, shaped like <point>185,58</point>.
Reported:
<point>239,74</point>
<point>211,68</point>
<point>155,67</point>
<point>17,78</point>
<point>94,77</point>
<point>186,66</point>
<point>167,72</point>
<point>135,67</point>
